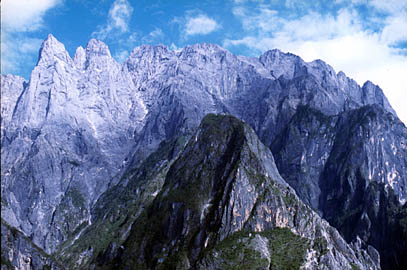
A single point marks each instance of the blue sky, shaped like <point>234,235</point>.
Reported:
<point>367,39</point>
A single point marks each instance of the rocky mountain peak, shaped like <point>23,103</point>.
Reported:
<point>280,63</point>
<point>319,65</point>
<point>98,57</point>
<point>10,79</point>
<point>238,197</point>
<point>97,48</point>
<point>80,57</point>
<point>202,49</point>
<point>11,88</point>
<point>373,94</point>
<point>146,62</point>
<point>206,48</point>
<point>275,55</point>
<point>76,127</point>
<point>52,50</point>
<point>149,52</point>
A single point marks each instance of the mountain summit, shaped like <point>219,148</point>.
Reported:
<point>81,130</point>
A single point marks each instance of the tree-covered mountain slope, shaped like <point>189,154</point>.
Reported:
<point>216,202</point>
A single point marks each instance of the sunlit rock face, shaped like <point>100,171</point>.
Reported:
<point>215,201</point>
<point>72,131</point>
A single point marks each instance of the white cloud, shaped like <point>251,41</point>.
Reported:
<point>263,19</point>
<point>390,6</point>
<point>24,15</point>
<point>200,25</point>
<point>17,51</point>
<point>395,30</point>
<point>155,36</point>
<point>118,20</point>
<point>156,33</point>
<point>340,41</point>
<point>19,19</point>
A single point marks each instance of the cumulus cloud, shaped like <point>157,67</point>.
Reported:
<point>200,25</point>
<point>24,15</point>
<point>117,22</point>
<point>339,39</point>
<point>395,30</point>
<point>19,20</point>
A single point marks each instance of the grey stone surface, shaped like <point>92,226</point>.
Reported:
<point>19,252</point>
<point>78,124</point>
<point>223,182</point>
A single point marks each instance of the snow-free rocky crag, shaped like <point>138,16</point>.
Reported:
<point>81,177</point>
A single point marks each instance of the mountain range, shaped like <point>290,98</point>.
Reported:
<point>198,159</point>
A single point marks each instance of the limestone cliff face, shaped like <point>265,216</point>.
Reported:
<point>64,139</point>
<point>19,252</point>
<point>220,204</point>
<point>79,124</point>
<point>353,163</point>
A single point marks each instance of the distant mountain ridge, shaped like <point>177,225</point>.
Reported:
<point>70,133</point>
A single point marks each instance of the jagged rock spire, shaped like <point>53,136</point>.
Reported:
<point>52,50</point>
<point>97,48</point>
